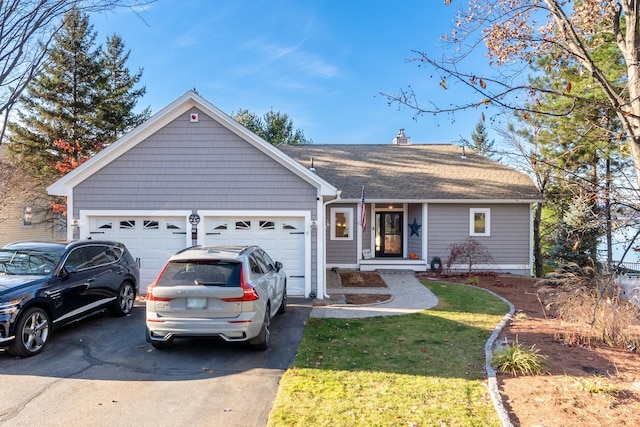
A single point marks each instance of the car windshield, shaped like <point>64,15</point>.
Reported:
<point>29,261</point>
<point>204,273</point>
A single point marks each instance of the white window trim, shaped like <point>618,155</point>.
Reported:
<point>349,214</point>
<point>487,221</point>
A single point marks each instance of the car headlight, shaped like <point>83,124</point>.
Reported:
<point>9,307</point>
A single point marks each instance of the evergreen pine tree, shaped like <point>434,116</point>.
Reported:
<point>274,127</point>
<point>115,112</point>
<point>480,141</point>
<point>60,103</point>
<point>81,101</point>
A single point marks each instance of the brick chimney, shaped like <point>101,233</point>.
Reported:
<point>401,138</point>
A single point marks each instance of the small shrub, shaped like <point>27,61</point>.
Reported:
<point>598,386</point>
<point>469,252</point>
<point>517,359</point>
<point>520,316</point>
<point>473,281</point>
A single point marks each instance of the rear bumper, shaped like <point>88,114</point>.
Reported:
<point>242,328</point>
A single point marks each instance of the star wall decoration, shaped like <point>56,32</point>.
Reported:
<point>415,228</point>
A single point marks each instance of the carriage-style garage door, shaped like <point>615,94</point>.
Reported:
<point>151,239</point>
<point>154,239</point>
<point>281,237</point>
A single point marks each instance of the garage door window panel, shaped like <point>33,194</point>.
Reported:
<point>104,225</point>
<point>151,224</point>
<point>172,225</point>
<point>243,225</point>
<point>128,224</point>
<point>267,225</point>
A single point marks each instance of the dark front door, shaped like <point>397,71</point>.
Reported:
<point>389,234</point>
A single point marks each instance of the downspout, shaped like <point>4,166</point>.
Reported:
<point>322,288</point>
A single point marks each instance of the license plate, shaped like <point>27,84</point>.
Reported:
<point>196,303</point>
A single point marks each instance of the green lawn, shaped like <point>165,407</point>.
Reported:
<point>422,369</point>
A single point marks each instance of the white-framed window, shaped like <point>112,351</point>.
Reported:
<point>341,224</point>
<point>27,216</point>
<point>479,222</point>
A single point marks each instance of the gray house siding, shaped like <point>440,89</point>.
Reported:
<point>414,243</point>
<point>509,242</point>
<point>194,166</point>
<point>343,252</point>
<point>203,166</point>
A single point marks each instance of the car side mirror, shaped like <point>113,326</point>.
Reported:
<point>278,266</point>
<point>70,269</point>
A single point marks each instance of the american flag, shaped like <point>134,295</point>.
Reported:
<point>363,213</point>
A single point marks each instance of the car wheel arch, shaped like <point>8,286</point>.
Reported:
<point>42,304</point>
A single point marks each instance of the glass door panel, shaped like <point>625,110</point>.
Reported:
<point>389,234</point>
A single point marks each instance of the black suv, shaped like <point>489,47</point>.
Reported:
<point>47,284</point>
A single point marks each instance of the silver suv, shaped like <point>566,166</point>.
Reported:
<point>230,292</point>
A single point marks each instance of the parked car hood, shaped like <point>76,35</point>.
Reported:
<point>11,283</point>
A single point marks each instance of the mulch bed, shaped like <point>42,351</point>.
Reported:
<point>363,299</point>
<point>358,279</point>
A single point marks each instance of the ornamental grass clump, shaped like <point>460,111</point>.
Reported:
<point>517,359</point>
<point>593,306</point>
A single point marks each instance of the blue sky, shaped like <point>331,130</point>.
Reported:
<point>324,63</point>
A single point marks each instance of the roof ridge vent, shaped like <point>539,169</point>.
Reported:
<point>401,138</point>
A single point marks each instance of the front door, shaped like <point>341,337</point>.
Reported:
<point>389,234</point>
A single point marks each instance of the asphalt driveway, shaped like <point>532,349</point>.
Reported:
<point>101,372</point>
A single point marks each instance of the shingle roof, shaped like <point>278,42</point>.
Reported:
<point>413,172</point>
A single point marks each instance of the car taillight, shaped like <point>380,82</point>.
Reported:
<point>150,296</point>
<point>248,292</point>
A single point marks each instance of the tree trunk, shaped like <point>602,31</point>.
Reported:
<point>537,244</point>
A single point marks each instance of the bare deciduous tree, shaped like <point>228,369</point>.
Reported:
<point>27,28</point>
<point>516,32</point>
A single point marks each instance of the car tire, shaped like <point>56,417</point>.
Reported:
<point>32,333</point>
<point>159,345</point>
<point>125,298</point>
<point>261,342</point>
<point>283,304</point>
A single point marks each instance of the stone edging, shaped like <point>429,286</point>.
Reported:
<point>492,381</point>
<point>491,373</point>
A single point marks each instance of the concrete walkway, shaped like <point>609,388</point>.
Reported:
<point>408,296</point>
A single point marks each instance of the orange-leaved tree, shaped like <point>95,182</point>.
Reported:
<point>70,156</point>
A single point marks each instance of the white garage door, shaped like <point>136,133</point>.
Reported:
<point>281,237</point>
<point>151,239</point>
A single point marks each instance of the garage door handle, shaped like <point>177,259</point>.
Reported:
<point>297,277</point>
<point>96,232</point>
<point>296,232</point>
<point>179,232</point>
<point>210,234</point>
